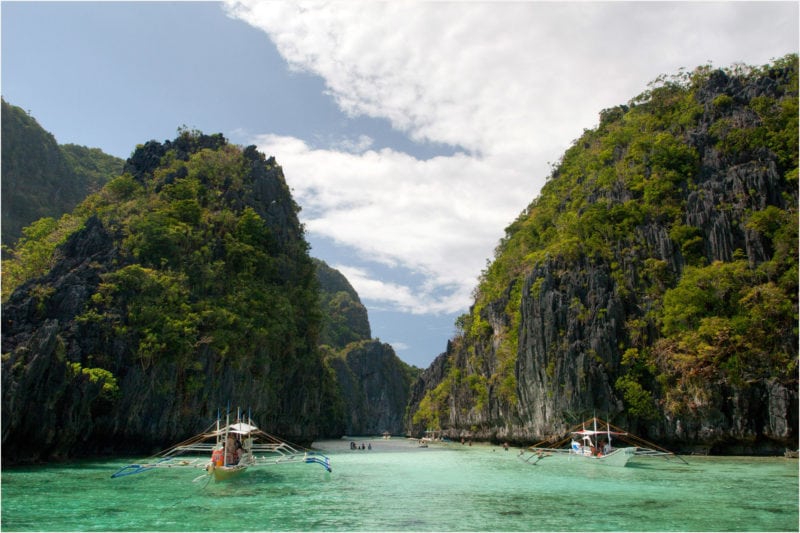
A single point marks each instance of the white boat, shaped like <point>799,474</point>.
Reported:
<point>599,442</point>
<point>433,436</point>
<point>227,450</point>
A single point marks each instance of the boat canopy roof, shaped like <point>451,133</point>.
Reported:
<point>241,428</point>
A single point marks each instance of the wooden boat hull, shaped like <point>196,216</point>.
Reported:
<point>224,473</point>
<point>619,457</point>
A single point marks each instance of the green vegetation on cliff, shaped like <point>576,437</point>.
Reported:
<point>707,158</point>
<point>206,271</point>
<point>182,285</point>
<point>42,178</point>
<point>373,384</point>
<point>344,317</point>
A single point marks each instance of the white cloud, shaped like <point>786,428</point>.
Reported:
<point>439,217</point>
<point>398,295</point>
<point>510,84</point>
<point>354,146</point>
<point>399,346</point>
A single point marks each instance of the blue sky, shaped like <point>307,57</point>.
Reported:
<point>411,133</point>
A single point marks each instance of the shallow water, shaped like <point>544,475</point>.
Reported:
<point>399,487</point>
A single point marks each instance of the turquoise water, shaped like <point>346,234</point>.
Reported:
<point>399,487</point>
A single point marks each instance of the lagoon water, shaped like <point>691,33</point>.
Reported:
<point>397,486</point>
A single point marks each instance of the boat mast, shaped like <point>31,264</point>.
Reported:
<point>227,429</point>
<point>217,432</point>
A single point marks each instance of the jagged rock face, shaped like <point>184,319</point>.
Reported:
<point>43,401</point>
<point>429,378</point>
<point>568,353</point>
<point>86,369</point>
<point>345,318</point>
<point>375,388</point>
<point>42,178</point>
<point>372,381</point>
<point>578,312</point>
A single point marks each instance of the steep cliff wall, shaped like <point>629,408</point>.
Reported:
<point>181,287</point>
<point>344,317</point>
<point>375,385</point>
<point>42,178</point>
<point>654,281</point>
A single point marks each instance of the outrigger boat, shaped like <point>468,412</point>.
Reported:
<point>593,440</point>
<point>433,436</point>
<point>226,451</point>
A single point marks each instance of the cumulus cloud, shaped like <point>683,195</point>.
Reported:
<point>398,295</point>
<point>437,217</point>
<point>509,85</point>
<point>355,146</point>
<point>399,346</point>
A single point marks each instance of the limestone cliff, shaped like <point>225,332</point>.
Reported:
<point>375,386</point>
<point>653,282</point>
<point>344,317</point>
<point>42,178</point>
<point>183,286</point>
<point>373,383</point>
